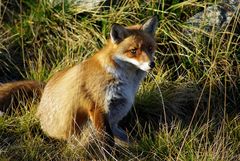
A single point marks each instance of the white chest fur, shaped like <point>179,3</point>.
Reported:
<point>120,93</point>
<point>120,96</point>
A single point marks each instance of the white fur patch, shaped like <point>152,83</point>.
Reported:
<point>141,65</point>
<point>145,66</point>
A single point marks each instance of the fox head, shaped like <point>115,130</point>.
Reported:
<point>135,45</point>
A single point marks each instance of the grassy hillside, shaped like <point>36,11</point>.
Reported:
<point>186,109</point>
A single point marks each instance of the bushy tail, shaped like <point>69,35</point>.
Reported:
<point>13,92</point>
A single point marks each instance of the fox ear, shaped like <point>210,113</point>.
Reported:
<point>118,33</point>
<point>150,25</point>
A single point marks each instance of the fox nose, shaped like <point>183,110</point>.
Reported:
<point>152,65</point>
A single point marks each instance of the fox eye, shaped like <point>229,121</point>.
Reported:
<point>133,51</point>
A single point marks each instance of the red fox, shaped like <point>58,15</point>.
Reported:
<point>101,88</point>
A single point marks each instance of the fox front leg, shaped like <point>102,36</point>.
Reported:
<point>101,123</point>
<point>119,133</point>
<point>116,114</point>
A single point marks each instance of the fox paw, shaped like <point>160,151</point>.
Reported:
<point>120,134</point>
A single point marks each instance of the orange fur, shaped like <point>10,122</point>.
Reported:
<point>78,101</point>
<point>11,93</point>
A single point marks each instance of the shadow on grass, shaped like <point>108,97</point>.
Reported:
<point>188,105</point>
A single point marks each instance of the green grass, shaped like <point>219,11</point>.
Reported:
<point>186,109</point>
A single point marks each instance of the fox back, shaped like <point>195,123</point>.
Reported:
<point>102,88</point>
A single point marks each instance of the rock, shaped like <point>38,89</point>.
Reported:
<point>212,19</point>
<point>84,5</point>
